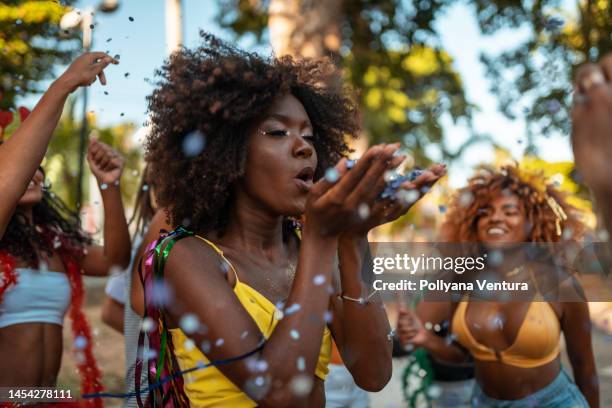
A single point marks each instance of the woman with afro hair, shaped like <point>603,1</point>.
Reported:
<point>43,250</point>
<point>244,146</point>
<point>516,343</point>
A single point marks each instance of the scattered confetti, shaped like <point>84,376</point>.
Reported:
<point>466,198</point>
<point>331,175</point>
<point>189,323</point>
<point>363,211</point>
<point>301,363</point>
<point>292,309</point>
<point>219,342</point>
<point>328,316</point>
<point>434,391</point>
<point>428,325</point>
<point>79,356</point>
<point>261,365</point>
<point>189,345</point>
<point>390,175</point>
<point>301,385</point>
<point>257,387</point>
<point>295,335</point>
<point>498,322</point>
<point>149,354</point>
<point>319,280</point>
<point>161,294</point>
<point>148,325</point>
<point>496,257</point>
<point>103,186</point>
<point>80,342</point>
<point>145,187</point>
<point>193,143</point>
<point>603,235</point>
<point>408,197</point>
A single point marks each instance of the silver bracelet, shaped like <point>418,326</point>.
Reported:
<point>360,300</point>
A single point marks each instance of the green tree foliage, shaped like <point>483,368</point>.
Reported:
<point>392,54</point>
<point>534,79</point>
<point>61,160</point>
<point>30,46</point>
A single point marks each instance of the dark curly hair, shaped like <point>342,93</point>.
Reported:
<point>544,223</point>
<point>143,205</point>
<point>220,91</point>
<point>51,219</point>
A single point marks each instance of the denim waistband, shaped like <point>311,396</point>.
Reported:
<point>562,388</point>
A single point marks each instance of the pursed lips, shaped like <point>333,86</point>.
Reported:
<point>304,178</point>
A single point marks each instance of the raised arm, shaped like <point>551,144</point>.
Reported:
<point>21,155</point>
<point>592,130</point>
<point>576,327</point>
<point>107,166</point>
<point>362,331</point>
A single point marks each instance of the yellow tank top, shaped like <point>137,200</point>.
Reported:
<point>208,387</point>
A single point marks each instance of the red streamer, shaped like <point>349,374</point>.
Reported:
<point>86,362</point>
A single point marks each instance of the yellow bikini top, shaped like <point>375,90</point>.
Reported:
<point>209,387</point>
<point>536,343</point>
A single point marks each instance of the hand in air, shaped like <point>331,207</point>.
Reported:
<point>85,69</point>
<point>592,123</point>
<point>410,330</point>
<point>105,163</point>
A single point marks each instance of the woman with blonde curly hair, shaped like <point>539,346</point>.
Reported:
<point>516,344</point>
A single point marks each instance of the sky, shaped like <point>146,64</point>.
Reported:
<point>141,46</point>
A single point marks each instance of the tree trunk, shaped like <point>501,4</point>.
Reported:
<point>310,29</point>
<point>305,28</point>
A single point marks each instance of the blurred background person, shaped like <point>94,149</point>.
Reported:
<point>515,345</point>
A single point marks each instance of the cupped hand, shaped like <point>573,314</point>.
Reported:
<point>389,209</point>
<point>410,330</point>
<point>332,203</point>
<point>353,205</point>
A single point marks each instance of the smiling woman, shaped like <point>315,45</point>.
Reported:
<point>516,345</point>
